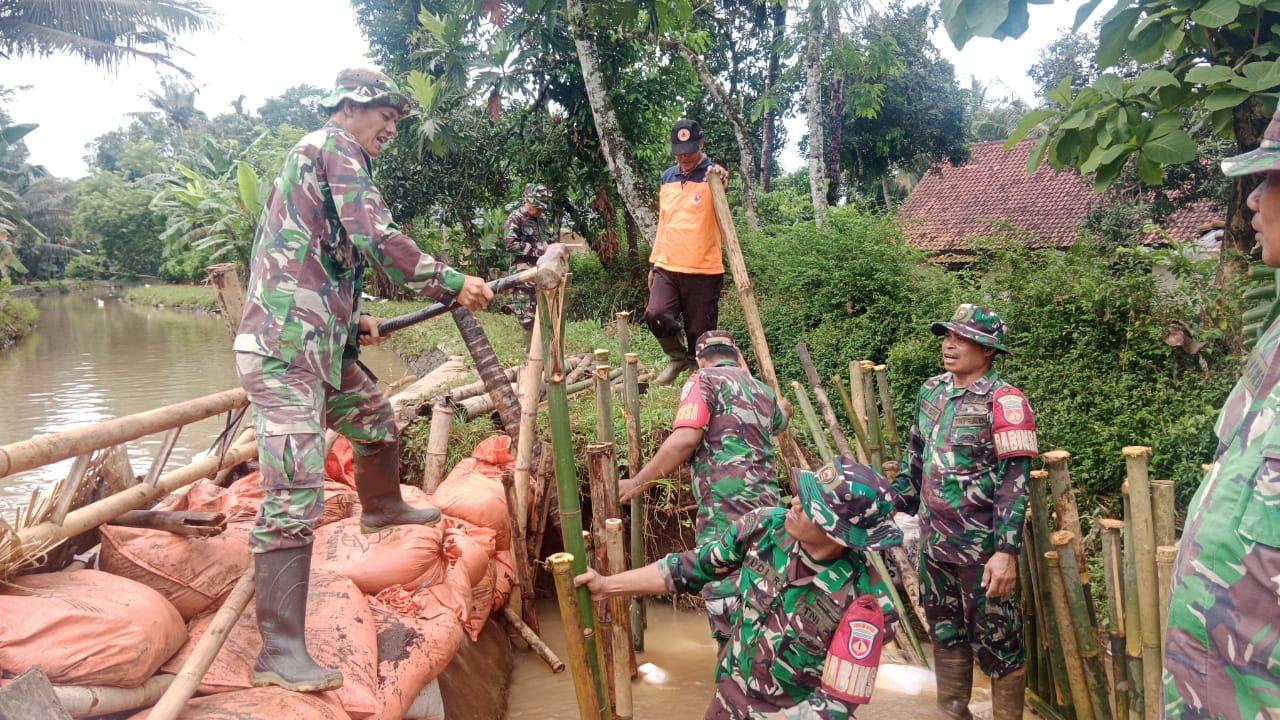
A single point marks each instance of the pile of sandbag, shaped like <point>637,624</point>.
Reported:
<point>389,609</point>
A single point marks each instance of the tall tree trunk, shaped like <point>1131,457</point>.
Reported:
<point>745,157</point>
<point>1249,123</point>
<point>814,110</point>
<point>490,371</point>
<point>606,244</point>
<point>835,109</point>
<point>633,190</point>
<point>634,265</point>
<point>768,131</point>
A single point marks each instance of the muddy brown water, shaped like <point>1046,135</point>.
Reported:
<point>676,682</point>
<point>92,358</point>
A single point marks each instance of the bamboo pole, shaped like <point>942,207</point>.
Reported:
<point>750,310</point>
<point>631,407</point>
<point>1067,640</point>
<point>437,444</point>
<point>1114,584</point>
<point>604,402</point>
<point>1037,500</point>
<point>1148,581</point>
<point>910,581</point>
<point>530,393</point>
<point>824,403</point>
<point>48,449</point>
<point>1162,513</point>
<point>1035,591</point>
<point>1030,619</point>
<point>1064,503</point>
<point>470,390</point>
<point>226,286</point>
<point>83,701</point>
<point>536,644</point>
<point>206,649</point>
<point>540,499</point>
<point>859,432</point>
<point>1086,643</point>
<point>811,420</point>
<point>622,645</point>
<point>522,591</point>
<point>1132,615</point>
<point>585,686</point>
<point>550,305</point>
<point>873,413</point>
<point>1166,555</point>
<point>581,367</point>
<point>857,394</point>
<point>622,327</point>
<point>886,401</point>
<point>603,481</point>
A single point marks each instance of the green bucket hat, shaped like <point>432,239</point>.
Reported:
<point>850,502</point>
<point>1264,158</point>
<point>979,324</point>
<point>537,195</point>
<point>365,86</point>
<point>711,338</point>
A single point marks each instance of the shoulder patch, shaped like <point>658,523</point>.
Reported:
<point>688,386</point>
<point>1013,426</point>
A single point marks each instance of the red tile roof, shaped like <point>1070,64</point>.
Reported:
<point>951,205</point>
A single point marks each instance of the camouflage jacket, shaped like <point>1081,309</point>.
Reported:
<point>1222,649</point>
<point>965,468</point>
<point>323,221</point>
<point>733,468</point>
<point>790,608</point>
<point>526,237</point>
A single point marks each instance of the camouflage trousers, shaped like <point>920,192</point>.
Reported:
<point>291,410</point>
<point>722,599</point>
<point>524,298</point>
<point>959,613</point>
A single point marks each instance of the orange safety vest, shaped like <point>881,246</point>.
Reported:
<point>688,238</point>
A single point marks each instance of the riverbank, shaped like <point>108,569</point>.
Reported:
<point>17,317</point>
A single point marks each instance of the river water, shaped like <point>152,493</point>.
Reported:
<point>94,358</point>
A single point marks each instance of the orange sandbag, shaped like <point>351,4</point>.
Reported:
<point>190,572</point>
<point>495,450</point>
<point>340,634</point>
<point>268,703</point>
<point>411,653</point>
<point>504,576</point>
<point>86,627</point>
<point>399,555</point>
<point>473,492</point>
<point>339,500</point>
<point>338,466</point>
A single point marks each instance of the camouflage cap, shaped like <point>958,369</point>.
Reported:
<point>979,324</point>
<point>537,195</point>
<point>365,86</point>
<point>713,337</point>
<point>1264,158</point>
<point>850,502</point>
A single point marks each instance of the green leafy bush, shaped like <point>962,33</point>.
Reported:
<point>17,317</point>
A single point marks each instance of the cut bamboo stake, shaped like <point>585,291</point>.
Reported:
<point>824,403</point>
<point>1037,500</point>
<point>1030,618</point>
<point>1064,503</point>
<point>1114,584</point>
<point>226,286</point>
<point>886,401</point>
<point>437,444</point>
<point>1148,580</point>
<point>910,581</point>
<point>602,475</point>
<point>540,500</point>
<point>1162,513</point>
<point>530,393</point>
<point>811,420</point>
<point>750,310</point>
<point>1086,643</point>
<point>604,403</point>
<point>622,645</point>
<point>536,644</point>
<point>470,390</point>
<point>857,394</point>
<point>1067,640</point>
<point>206,649</point>
<point>1165,557</point>
<point>855,420</point>
<point>576,637</point>
<point>522,592</point>
<point>622,326</point>
<point>1034,590</point>
<point>631,408</point>
<point>873,412</point>
<point>1132,616</point>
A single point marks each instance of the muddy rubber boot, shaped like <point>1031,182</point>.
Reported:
<point>280,580</point>
<point>378,485</point>
<point>954,668</point>
<point>1008,695</point>
<point>675,349</point>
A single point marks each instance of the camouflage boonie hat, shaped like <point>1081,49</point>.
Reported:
<point>1265,158</point>
<point>366,86</point>
<point>850,502</point>
<point>537,195</point>
<point>713,337</point>
<point>979,324</point>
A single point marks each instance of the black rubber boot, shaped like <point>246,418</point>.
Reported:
<point>1009,695</point>
<point>378,485</point>
<point>675,349</point>
<point>281,578</point>
<point>954,669</point>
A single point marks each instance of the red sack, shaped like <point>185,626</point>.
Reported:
<point>473,492</point>
<point>398,555</point>
<point>411,653</point>
<point>268,703</point>
<point>86,627</point>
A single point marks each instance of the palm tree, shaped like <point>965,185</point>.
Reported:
<point>101,32</point>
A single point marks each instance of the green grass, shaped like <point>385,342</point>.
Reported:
<point>185,297</point>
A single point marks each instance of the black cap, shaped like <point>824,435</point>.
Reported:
<point>686,136</point>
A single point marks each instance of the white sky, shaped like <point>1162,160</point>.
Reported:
<point>264,47</point>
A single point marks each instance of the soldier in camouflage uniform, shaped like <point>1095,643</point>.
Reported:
<point>527,235</point>
<point>724,426</point>
<point>798,570</point>
<point>1222,646</point>
<point>965,472</point>
<point>324,222</point>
